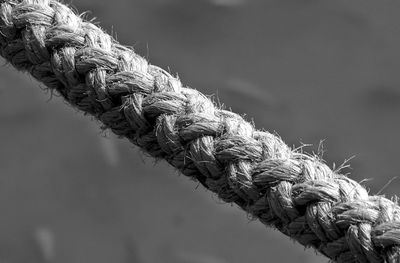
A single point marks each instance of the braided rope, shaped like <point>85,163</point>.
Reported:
<point>291,191</point>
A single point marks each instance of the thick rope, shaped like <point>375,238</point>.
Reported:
<point>291,191</point>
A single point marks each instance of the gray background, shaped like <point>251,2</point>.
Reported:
<point>307,70</point>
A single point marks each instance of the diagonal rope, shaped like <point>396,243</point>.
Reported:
<point>286,189</point>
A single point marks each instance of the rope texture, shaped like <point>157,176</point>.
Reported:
<point>286,189</point>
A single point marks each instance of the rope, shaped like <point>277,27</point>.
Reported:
<point>286,189</point>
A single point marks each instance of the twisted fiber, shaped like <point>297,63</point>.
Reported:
<point>295,193</point>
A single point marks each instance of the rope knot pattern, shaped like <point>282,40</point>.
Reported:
<point>286,189</point>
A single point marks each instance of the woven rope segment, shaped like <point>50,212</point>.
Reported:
<point>286,189</point>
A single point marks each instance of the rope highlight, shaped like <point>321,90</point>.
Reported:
<point>286,189</point>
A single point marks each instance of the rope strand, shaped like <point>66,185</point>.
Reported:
<point>286,189</point>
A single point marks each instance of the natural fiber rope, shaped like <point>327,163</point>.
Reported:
<point>295,193</point>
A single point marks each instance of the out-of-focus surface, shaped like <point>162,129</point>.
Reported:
<point>309,70</point>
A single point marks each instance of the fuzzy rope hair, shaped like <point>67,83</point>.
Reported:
<point>283,188</point>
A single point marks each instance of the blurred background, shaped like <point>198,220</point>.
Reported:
<point>308,70</point>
